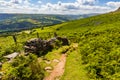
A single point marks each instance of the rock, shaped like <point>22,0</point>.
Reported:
<point>56,60</point>
<point>26,54</point>
<point>41,47</point>
<point>52,40</point>
<point>11,56</point>
<point>37,46</point>
<point>63,40</point>
<point>48,68</point>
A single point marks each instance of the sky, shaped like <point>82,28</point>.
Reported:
<point>58,6</point>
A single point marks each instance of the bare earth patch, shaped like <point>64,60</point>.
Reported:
<point>58,69</point>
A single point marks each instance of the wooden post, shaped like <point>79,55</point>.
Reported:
<point>15,39</point>
<point>42,28</point>
<point>37,35</point>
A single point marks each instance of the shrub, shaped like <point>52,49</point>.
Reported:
<point>23,68</point>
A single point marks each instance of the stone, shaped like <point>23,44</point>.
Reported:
<point>63,40</point>
<point>41,47</point>
<point>56,60</point>
<point>37,45</point>
<point>11,56</point>
<point>48,68</point>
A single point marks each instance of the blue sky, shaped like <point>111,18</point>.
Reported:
<point>58,6</point>
<point>101,2</point>
<point>55,1</point>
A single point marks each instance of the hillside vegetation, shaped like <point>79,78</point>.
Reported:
<point>99,45</point>
<point>98,51</point>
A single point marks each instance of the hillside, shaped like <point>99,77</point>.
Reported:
<point>17,22</point>
<point>99,45</point>
<point>94,50</point>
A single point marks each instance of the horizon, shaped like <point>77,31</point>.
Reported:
<point>59,7</point>
<point>47,14</point>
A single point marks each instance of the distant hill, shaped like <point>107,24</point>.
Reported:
<point>93,21</point>
<point>16,22</point>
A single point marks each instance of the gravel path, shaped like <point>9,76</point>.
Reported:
<point>58,69</point>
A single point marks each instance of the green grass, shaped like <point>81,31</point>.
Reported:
<point>74,70</point>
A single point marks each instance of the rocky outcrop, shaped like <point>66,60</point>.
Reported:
<point>37,46</point>
<point>41,47</point>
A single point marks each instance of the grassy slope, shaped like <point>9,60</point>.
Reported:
<point>93,21</point>
<point>98,38</point>
<point>74,70</point>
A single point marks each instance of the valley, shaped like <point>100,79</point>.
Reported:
<point>19,22</point>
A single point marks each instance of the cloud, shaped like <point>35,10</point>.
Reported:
<point>77,7</point>
<point>15,1</point>
<point>17,6</point>
<point>113,4</point>
<point>87,2</point>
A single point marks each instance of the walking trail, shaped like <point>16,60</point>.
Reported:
<point>58,69</point>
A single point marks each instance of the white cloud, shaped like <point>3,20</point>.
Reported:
<point>77,7</point>
<point>113,4</point>
<point>87,2</point>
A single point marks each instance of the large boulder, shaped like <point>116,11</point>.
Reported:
<point>41,47</point>
<point>37,45</point>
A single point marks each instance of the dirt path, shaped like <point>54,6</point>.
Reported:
<point>58,69</point>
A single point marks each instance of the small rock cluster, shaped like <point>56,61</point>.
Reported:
<point>39,46</point>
